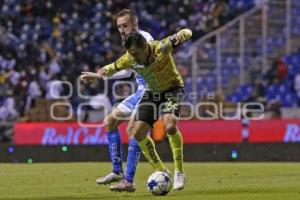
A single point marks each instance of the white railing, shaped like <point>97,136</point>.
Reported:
<point>288,26</point>
<point>264,26</point>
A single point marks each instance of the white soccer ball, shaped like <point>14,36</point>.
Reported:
<point>159,183</point>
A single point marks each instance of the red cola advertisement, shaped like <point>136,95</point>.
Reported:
<point>61,133</point>
<point>193,131</point>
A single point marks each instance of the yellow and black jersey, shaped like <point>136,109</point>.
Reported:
<point>160,74</point>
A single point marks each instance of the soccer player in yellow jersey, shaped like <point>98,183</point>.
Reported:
<point>163,95</point>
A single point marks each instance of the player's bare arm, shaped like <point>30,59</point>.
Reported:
<point>86,77</point>
<point>108,70</point>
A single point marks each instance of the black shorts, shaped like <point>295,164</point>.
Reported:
<point>153,105</point>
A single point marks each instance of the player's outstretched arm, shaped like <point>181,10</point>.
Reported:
<point>108,70</point>
<point>124,62</point>
<point>180,37</point>
<point>171,42</point>
<point>86,77</point>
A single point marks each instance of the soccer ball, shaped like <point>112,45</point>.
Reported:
<point>159,183</point>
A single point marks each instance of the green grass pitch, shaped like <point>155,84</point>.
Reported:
<point>61,181</point>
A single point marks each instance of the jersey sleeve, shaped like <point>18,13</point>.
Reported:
<point>125,73</point>
<point>124,62</point>
<point>165,45</point>
<point>169,43</point>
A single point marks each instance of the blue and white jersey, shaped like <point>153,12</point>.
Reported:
<point>139,79</point>
<point>128,105</point>
<point>146,35</point>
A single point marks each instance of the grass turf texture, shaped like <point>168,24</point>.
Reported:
<point>204,181</point>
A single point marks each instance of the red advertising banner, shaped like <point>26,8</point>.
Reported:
<point>193,131</point>
<point>61,133</point>
<point>217,131</point>
<point>274,131</point>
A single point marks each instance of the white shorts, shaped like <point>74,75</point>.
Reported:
<point>128,105</point>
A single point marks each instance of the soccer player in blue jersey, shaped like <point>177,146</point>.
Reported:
<point>127,22</point>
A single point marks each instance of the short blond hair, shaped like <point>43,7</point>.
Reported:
<point>132,16</point>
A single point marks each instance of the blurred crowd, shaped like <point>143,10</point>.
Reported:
<point>45,42</point>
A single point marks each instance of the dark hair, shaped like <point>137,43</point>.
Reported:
<point>135,39</point>
<point>132,16</point>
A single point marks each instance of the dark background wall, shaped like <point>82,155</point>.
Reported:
<point>192,152</point>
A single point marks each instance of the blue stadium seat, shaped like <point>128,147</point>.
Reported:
<point>246,90</point>
<point>188,85</point>
<point>287,59</point>
<point>237,97</point>
<point>272,91</point>
<point>289,100</point>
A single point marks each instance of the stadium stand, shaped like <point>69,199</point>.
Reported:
<point>43,42</point>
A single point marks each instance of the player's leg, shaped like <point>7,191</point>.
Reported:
<point>115,146</point>
<point>140,130</point>
<point>120,114</point>
<point>176,144</point>
<point>146,115</point>
<point>171,112</point>
<point>134,152</point>
<point>175,140</point>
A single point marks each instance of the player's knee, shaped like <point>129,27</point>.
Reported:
<point>133,133</point>
<point>139,138</point>
<point>170,125</point>
<point>130,132</point>
<point>137,134</point>
<point>171,128</point>
<point>110,123</point>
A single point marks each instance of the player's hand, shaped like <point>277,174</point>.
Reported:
<point>182,36</point>
<point>179,38</point>
<point>86,77</point>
